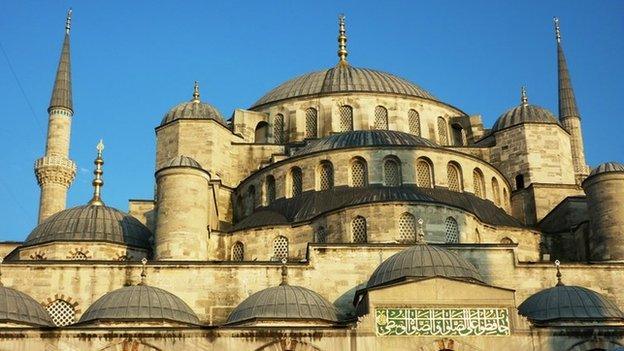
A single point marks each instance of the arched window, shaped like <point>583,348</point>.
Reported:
<point>359,173</point>
<point>296,181</point>
<point>311,125</point>
<point>61,312</point>
<point>459,138</point>
<point>442,131</point>
<point>326,176</point>
<point>381,118</point>
<point>251,200</point>
<point>424,176</point>
<point>358,229</point>
<point>346,118</point>
<point>519,182</point>
<point>238,251</point>
<point>278,129</point>
<point>506,241</point>
<point>505,197</point>
<point>280,248</point>
<point>454,177</point>
<point>496,191</point>
<point>478,183</point>
<point>240,207</point>
<point>262,132</point>
<point>407,228</point>
<point>413,120</point>
<point>321,235</point>
<point>270,189</point>
<point>451,230</point>
<point>392,172</point>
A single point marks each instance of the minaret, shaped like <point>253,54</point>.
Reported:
<point>342,41</point>
<point>55,171</point>
<point>568,112</point>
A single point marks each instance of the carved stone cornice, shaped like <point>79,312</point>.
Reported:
<point>55,169</point>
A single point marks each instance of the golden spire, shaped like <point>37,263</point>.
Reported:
<point>524,99</point>
<point>284,272</point>
<point>143,271</point>
<point>342,40</point>
<point>557,29</point>
<point>97,181</point>
<point>68,21</point>
<point>195,92</point>
<point>557,264</point>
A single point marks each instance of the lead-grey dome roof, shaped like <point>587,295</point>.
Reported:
<point>91,223</point>
<point>139,303</point>
<point>607,167</point>
<point>182,161</point>
<point>193,109</point>
<point>524,113</point>
<point>569,303</point>
<point>17,307</point>
<point>423,261</point>
<point>284,302</point>
<point>340,79</point>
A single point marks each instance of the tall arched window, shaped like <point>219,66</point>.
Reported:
<point>505,197</point>
<point>311,124</point>
<point>407,228</point>
<point>381,118</point>
<point>278,129</point>
<point>326,176</point>
<point>296,181</point>
<point>451,230</point>
<point>251,200</point>
<point>392,172</point>
<point>458,135</point>
<point>442,131</point>
<point>61,312</point>
<point>424,176</point>
<point>270,189</point>
<point>478,183</point>
<point>358,230</point>
<point>359,173</point>
<point>413,120</point>
<point>519,182</point>
<point>280,248</point>
<point>238,251</point>
<point>496,191</point>
<point>321,235</point>
<point>262,132</point>
<point>346,118</point>
<point>454,177</point>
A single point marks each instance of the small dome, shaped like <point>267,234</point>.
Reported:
<point>139,303</point>
<point>363,138</point>
<point>17,307</point>
<point>421,261</point>
<point>569,303</point>
<point>524,113</point>
<point>341,79</point>
<point>607,167</point>
<point>284,302</point>
<point>91,223</point>
<point>194,109</point>
<point>182,161</point>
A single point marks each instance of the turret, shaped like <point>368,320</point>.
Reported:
<point>55,171</point>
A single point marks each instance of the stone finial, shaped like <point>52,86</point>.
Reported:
<point>524,99</point>
<point>143,271</point>
<point>420,232</point>
<point>98,182</point>
<point>557,29</point>
<point>342,40</point>
<point>195,92</point>
<point>68,21</point>
<point>284,272</point>
<point>559,282</point>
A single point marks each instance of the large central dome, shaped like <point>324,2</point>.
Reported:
<point>341,79</point>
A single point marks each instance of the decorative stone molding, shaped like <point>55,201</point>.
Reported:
<point>60,111</point>
<point>79,254</point>
<point>55,169</point>
<point>38,256</point>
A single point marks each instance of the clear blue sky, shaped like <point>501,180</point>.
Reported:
<point>133,60</point>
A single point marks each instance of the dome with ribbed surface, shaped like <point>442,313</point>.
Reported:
<point>182,161</point>
<point>193,109</point>
<point>91,223</point>
<point>363,138</point>
<point>569,303</point>
<point>17,307</point>
<point>284,302</point>
<point>422,261</point>
<point>342,79</point>
<point>524,113</point>
<point>139,303</point>
<point>607,167</point>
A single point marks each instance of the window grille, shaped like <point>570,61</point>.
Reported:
<point>423,174</point>
<point>381,118</point>
<point>346,118</point>
<point>278,129</point>
<point>459,138</point>
<point>442,131</point>
<point>62,313</point>
<point>414,122</point>
<point>454,179</point>
<point>358,229</point>
<point>78,256</point>
<point>321,235</point>
<point>280,248</point>
<point>392,173</point>
<point>496,191</point>
<point>451,229</point>
<point>479,186</point>
<point>296,178</point>
<point>238,251</point>
<point>311,125</point>
<point>270,189</point>
<point>327,176</point>
<point>359,177</point>
<point>407,228</point>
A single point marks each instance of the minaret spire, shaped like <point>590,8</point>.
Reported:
<point>98,182</point>
<point>524,99</point>
<point>342,40</point>
<point>62,91</point>
<point>195,92</point>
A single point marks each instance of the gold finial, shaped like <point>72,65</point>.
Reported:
<point>68,21</point>
<point>143,271</point>
<point>195,92</point>
<point>284,272</point>
<point>342,40</point>
<point>98,182</point>
<point>557,29</point>
<point>557,264</point>
<point>524,100</point>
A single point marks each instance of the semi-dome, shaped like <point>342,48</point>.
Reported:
<point>182,161</point>
<point>524,113</point>
<point>91,223</point>
<point>139,303</point>
<point>343,79</point>
<point>17,307</point>
<point>194,109</point>
<point>569,303</point>
<point>363,138</point>
<point>284,302</point>
<point>607,167</point>
<point>423,261</point>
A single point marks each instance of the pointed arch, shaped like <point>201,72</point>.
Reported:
<point>478,183</point>
<point>454,177</point>
<point>280,248</point>
<point>359,230</point>
<point>358,172</point>
<point>381,118</point>
<point>278,129</point>
<point>407,228</point>
<point>269,187</point>
<point>442,131</point>
<point>451,230</point>
<point>413,121</point>
<point>295,179</point>
<point>346,118</point>
<point>325,175</point>
<point>496,191</point>
<point>424,173</point>
<point>238,251</point>
<point>311,130</point>
<point>392,171</point>
<point>261,134</point>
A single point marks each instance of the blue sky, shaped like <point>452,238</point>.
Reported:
<point>133,60</point>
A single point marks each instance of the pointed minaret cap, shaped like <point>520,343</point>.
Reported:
<point>567,101</point>
<point>195,92</point>
<point>524,99</point>
<point>559,282</point>
<point>98,182</point>
<point>342,41</point>
<point>62,91</point>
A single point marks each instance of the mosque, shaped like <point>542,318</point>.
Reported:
<point>346,209</point>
